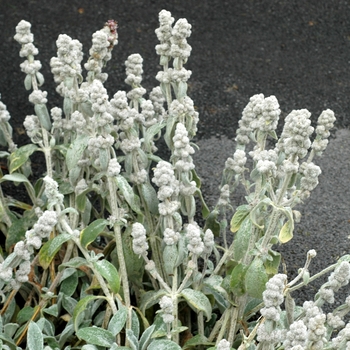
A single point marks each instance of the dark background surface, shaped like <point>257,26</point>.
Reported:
<point>298,51</point>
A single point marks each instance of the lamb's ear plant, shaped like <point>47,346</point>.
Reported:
<point>108,253</point>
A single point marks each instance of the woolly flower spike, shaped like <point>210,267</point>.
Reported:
<point>139,242</point>
<point>148,113</point>
<point>23,271</point>
<point>45,224</point>
<point>182,149</point>
<point>223,345</point>
<point>310,173</point>
<point>134,70</point>
<point>185,114</point>
<point>273,296</point>
<point>5,273</point>
<point>164,178</point>
<point>69,57</point>
<point>224,199</point>
<point>295,140</point>
<point>167,307</point>
<point>121,112</point>
<point>208,241</point>
<point>179,46</point>
<point>157,98</point>
<point>51,192</point>
<point>266,161</point>
<point>248,115</point>
<point>38,97</point>
<point>237,163</point>
<point>23,35</point>
<point>170,236</point>
<point>193,236</point>
<point>342,341</point>
<point>315,322</point>
<point>113,168</point>
<point>296,336</point>
<point>340,277</point>
<point>267,113</point>
<point>164,33</point>
<point>4,114</point>
<point>325,122</point>
<point>21,250</point>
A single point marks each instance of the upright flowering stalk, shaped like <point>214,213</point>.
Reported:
<point>268,334</point>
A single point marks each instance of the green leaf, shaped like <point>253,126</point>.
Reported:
<point>163,345</point>
<point>271,266</point>
<point>76,150</point>
<point>237,285</point>
<point>74,262</point>
<point>256,278</point>
<point>239,216</point>
<point>117,322</point>
<point>133,342</point>
<point>146,337</point>
<point>135,324</point>
<point>151,298</point>
<point>16,177</point>
<point>43,115</point>
<point>196,341</point>
<point>20,156</point>
<point>212,223</point>
<point>242,238</point>
<point>90,233</point>
<point>170,254</point>
<point>197,300</point>
<point>25,314</point>
<point>128,194</point>
<point>96,336</point>
<point>52,310</point>
<point>110,273</point>
<point>35,338</point>
<point>286,233</point>
<point>50,249</point>
<point>149,194</point>
<point>81,307</point>
<point>69,285</point>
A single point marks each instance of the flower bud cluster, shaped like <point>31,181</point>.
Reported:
<point>179,46</point>
<point>182,149</point>
<point>167,307</point>
<point>103,42</point>
<point>157,98</point>
<point>273,298</point>
<point>168,191</point>
<point>121,112</point>
<point>325,122</point>
<point>113,167</point>
<point>266,114</point>
<point>67,64</point>
<point>310,173</point>
<point>134,70</point>
<point>185,113</point>
<point>237,163</point>
<point>248,116</point>
<point>193,236</point>
<point>223,345</point>
<point>295,138</point>
<point>51,191</point>
<point>315,322</point>
<point>38,97</point>
<point>208,240</point>
<point>173,75</point>
<point>342,341</point>
<point>296,336</point>
<point>148,113</point>
<point>32,126</point>
<point>164,33</point>
<point>265,161</point>
<point>170,237</point>
<point>139,242</point>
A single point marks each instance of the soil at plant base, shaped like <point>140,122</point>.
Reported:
<point>298,51</point>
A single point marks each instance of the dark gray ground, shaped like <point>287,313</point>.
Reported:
<point>296,50</point>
